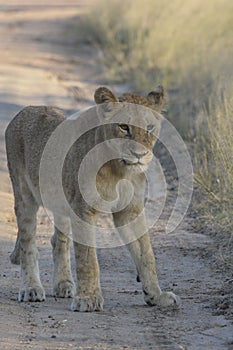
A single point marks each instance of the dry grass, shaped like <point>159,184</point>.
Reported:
<point>213,160</point>
<point>186,46</point>
<point>144,40</point>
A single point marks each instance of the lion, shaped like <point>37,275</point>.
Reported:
<point>26,138</point>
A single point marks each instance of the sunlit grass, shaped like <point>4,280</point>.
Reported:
<point>146,40</point>
<point>213,160</point>
<point>188,47</point>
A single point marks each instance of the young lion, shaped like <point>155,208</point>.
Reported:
<point>26,139</point>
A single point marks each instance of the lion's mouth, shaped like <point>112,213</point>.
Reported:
<point>134,164</point>
<point>130,162</point>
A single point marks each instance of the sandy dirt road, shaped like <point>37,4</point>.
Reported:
<point>39,65</point>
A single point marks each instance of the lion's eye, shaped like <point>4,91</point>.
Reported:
<point>124,127</point>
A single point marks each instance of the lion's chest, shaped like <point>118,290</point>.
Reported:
<point>117,192</point>
<point>108,186</point>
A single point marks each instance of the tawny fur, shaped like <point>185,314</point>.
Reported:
<point>26,137</point>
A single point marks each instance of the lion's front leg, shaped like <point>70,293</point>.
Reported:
<point>143,256</point>
<point>144,259</point>
<point>89,296</point>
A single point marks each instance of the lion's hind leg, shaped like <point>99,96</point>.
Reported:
<point>63,283</point>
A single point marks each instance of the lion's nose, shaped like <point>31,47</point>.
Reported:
<point>139,155</point>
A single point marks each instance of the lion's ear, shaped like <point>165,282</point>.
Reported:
<point>104,95</point>
<point>106,100</point>
<point>157,96</point>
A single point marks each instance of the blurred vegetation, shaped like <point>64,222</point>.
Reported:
<point>188,47</point>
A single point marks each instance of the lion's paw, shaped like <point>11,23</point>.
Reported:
<point>88,303</point>
<point>35,293</point>
<point>64,289</point>
<point>165,299</point>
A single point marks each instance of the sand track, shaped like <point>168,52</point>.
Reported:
<point>39,65</point>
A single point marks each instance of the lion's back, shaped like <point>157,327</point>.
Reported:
<point>27,134</point>
<point>34,119</point>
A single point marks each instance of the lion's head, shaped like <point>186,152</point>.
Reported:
<point>131,124</point>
